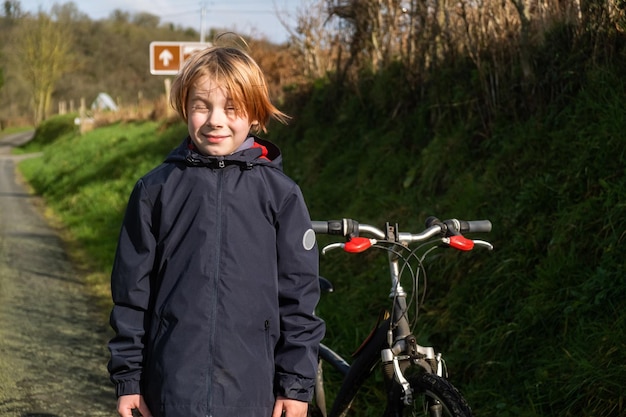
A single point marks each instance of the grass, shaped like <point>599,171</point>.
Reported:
<point>86,179</point>
<point>14,129</point>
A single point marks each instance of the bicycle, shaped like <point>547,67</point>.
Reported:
<point>415,376</point>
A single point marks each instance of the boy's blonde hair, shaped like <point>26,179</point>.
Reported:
<point>235,71</point>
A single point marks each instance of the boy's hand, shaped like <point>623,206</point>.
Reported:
<point>291,408</point>
<point>132,406</point>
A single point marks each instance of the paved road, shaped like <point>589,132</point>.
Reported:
<point>52,340</point>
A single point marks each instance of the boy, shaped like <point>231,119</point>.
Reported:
<point>215,278</point>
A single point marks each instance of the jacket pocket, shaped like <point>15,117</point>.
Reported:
<point>269,348</point>
<point>156,344</point>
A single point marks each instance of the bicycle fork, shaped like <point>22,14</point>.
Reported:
<point>403,347</point>
<point>404,352</point>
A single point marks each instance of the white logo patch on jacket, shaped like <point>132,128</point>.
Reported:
<point>308,240</point>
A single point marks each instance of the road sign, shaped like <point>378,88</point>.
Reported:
<point>166,58</point>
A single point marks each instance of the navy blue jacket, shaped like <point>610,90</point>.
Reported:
<point>214,285</point>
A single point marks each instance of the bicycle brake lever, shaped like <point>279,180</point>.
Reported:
<point>332,246</point>
<point>354,245</point>
<point>484,244</point>
<point>462,243</point>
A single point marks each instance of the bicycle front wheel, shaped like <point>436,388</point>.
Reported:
<point>433,396</point>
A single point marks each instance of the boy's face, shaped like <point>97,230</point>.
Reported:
<point>215,125</point>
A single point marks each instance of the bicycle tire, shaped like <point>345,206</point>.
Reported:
<point>429,390</point>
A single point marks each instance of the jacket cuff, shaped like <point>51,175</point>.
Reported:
<point>127,388</point>
<point>294,387</point>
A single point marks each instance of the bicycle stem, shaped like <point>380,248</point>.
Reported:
<point>398,294</point>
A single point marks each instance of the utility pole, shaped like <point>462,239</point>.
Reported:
<point>202,17</point>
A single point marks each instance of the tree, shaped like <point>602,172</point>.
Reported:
<point>43,55</point>
<point>68,12</point>
<point>146,20</point>
<point>314,38</point>
<point>374,27</point>
<point>12,9</point>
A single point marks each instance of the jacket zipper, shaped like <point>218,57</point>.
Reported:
<point>216,277</point>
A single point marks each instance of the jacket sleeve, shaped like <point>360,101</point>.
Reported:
<point>298,285</point>
<point>130,289</point>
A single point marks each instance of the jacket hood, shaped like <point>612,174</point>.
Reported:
<point>262,152</point>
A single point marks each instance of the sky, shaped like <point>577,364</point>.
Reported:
<point>246,17</point>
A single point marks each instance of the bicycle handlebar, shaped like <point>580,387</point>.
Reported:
<point>343,227</point>
<point>434,226</point>
<point>454,226</point>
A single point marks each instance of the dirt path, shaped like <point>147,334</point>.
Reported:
<point>52,340</point>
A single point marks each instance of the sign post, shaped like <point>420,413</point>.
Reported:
<point>167,58</point>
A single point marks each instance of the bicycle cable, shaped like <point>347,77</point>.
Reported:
<point>406,263</point>
<point>421,269</point>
